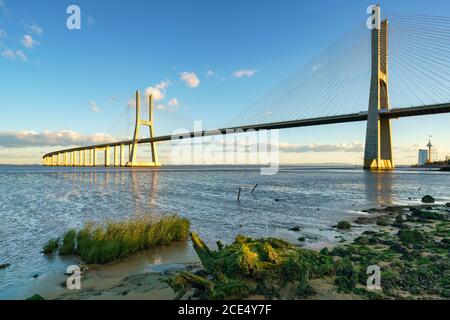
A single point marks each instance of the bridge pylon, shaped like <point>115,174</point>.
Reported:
<point>148,123</point>
<point>378,148</point>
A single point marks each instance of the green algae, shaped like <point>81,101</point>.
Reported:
<point>412,254</point>
<point>344,225</point>
<point>253,266</point>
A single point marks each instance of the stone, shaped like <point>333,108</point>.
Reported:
<point>365,220</point>
<point>428,199</point>
<point>4,266</point>
<point>383,222</point>
<point>344,225</point>
<point>296,228</point>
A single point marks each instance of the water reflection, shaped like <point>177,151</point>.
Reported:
<point>378,187</point>
<point>145,196</point>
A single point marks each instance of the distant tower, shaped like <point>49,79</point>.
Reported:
<point>378,148</point>
<point>429,145</point>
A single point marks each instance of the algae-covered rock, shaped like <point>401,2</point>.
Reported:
<point>36,297</point>
<point>253,266</point>
<point>411,236</point>
<point>431,215</point>
<point>428,199</point>
<point>382,222</point>
<point>344,225</point>
<point>346,275</point>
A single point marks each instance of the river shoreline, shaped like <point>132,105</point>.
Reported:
<point>135,279</point>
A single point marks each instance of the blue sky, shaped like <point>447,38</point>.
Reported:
<point>230,53</point>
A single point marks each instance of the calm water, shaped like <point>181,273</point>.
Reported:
<point>37,204</point>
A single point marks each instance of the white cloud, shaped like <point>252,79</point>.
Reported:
<point>244,73</point>
<point>158,91</point>
<point>173,102</point>
<point>28,41</point>
<point>94,107</point>
<point>212,74</point>
<point>34,28</point>
<point>3,33</point>
<point>161,107</point>
<point>13,55</point>
<point>190,79</point>
<point>340,147</point>
<point>9,54</point>
<point>131,103</point>
<point>21,55</point>
<point>20,139</point>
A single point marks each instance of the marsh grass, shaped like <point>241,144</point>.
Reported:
<point>51,246</point>
<point>102,243</point>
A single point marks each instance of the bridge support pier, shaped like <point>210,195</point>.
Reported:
<point>107,157</point>
<point>378,148</point>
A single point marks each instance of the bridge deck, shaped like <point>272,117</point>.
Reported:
<point>353,117</point>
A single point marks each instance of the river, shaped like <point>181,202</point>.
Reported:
<point>38,203</point>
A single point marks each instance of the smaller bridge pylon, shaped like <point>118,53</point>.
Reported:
<point>148,123</point>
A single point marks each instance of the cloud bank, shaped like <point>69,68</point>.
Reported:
<point>21,139</point>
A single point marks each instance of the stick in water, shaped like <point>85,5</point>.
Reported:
<point>254,188</point>
<point>239,194</point>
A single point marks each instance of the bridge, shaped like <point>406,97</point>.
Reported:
<point>425,42</point>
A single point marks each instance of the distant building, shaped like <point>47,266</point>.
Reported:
<point>423,156</point>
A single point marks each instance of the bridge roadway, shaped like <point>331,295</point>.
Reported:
<point>353,117</point>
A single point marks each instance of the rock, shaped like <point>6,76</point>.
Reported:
<point>411,237</point>
<point>399,219</point>
<point>365,220</point>
<point>431,215</point>
<point>401,226</point>
<point>35,276</point>
<point>296,228</point>
<point>344,225</point>
<point>383,222</point>
<point>36,297</point>
<point>447,204</point>
<point>302,239</point>
<point>362,240</point>
<point>428,199</point>
<point>4,266</point>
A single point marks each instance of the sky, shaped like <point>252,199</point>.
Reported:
<point>201,59</point>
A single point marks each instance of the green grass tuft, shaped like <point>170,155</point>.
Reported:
<point>68,243</point>
<point>51,246</point>
<point>102,243</point>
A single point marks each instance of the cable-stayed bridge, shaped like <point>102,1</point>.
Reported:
<point>399,69</point>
